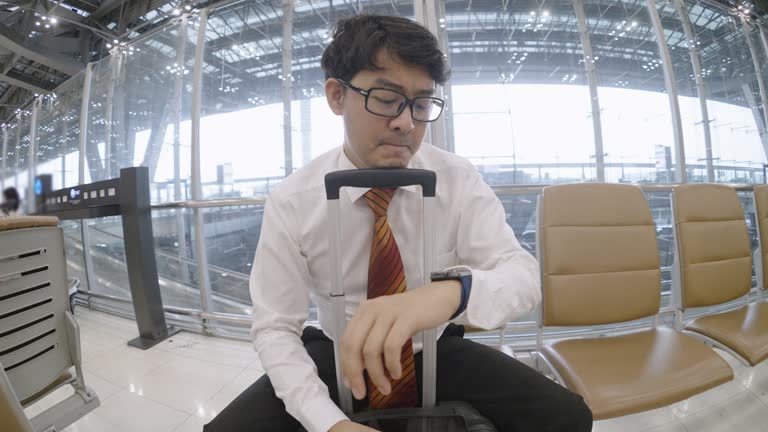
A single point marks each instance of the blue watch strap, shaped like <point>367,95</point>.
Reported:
<point>466,288</point>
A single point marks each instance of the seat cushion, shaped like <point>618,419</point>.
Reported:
<point>18,222</point>
<point>744,330</point>
<point>621,375</point>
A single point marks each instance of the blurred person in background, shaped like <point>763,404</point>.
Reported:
<point>11,202</point>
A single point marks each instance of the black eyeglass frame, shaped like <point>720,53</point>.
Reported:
<point>408,101</point>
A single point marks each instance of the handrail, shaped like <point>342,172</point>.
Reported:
<point>222,202</point>
<point>499,190</point>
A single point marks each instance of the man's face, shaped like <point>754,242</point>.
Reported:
<point>372,141</point>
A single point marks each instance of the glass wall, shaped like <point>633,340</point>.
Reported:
<point>517,66</point>
<point>58,133</point>
<point>519,108</point>
<point>733,98</point>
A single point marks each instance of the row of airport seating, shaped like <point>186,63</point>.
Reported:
<point>599,263</point>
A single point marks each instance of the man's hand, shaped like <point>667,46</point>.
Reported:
<point>350,426</point>
<point>381,327</point>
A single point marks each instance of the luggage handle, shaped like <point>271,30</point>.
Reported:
<point>370,178</point>
<point>381,177</point>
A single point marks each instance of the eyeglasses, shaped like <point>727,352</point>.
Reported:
<point>389,103</point>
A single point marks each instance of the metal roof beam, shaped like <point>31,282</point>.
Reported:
<point>15,42</point>
<point>23,84</point>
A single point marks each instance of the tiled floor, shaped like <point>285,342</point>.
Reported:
<point>185,381</point>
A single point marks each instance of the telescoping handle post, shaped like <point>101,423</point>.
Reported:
<point>384,178</point>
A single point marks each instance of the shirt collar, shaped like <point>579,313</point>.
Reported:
<point>355,194</point>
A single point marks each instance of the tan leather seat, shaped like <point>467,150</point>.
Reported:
<point>761,211</point>
<point>600,265</point>
<point>715,262</point>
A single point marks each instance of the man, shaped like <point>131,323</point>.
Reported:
<point>381,74</point>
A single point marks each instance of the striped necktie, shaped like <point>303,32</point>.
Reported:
<point>386,276</point>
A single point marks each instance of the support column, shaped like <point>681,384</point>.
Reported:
<point>181,230</point>
<point>306,130</point>
<point>759,72</point>
<point>81,145</point>
<point>287,83</point>
<point>426,12</point>
<point>671,86</point>
<point>16,151</point>
<point>64,135</point>
<point>701,86</point>
<point>5,158</point>
<point>746,89</point>
<point>591,72</point>
<point>31,165</point>
<point>197,189</point>
<point>114,66</point>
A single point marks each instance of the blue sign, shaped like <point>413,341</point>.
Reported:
<point>74,193</point>
<point>38,187</point>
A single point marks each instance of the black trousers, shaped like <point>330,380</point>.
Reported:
<point>514,396</point>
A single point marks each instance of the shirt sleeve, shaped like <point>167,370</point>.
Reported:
<point>279,286</point>
<point>505,277</point>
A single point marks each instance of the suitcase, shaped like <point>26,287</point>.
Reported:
<point>447,416</point>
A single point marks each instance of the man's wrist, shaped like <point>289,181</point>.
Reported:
<point>450,290</point>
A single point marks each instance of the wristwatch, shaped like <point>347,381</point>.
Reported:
<point>462,275</point>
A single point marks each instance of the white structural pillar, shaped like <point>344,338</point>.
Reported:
<point>591,72</point>
<point>671,86</point>
<point>197,188</point>
<point>287,84</point>
<point>181,229</point>
<point>701,86</point>
<point>31,165</point>
<point>5,158</point>
<point>427,12</point>
<point>16,150</point>
<point>82,140</point>
<point>759,77</point>
<point>115,63</point>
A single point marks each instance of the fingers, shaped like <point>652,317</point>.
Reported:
<point>373,341</point>
<point>393,348</point>
<point>352,363</point>
<point>372,355</point>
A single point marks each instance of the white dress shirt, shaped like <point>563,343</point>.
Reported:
<point>292,264</point>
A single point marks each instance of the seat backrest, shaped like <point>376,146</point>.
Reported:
<point>761,211</point>
<point>714,254</point>
<point>34,347</point>
<point>598,255</point>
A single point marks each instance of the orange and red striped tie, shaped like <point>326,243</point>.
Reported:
<point>386,276</point>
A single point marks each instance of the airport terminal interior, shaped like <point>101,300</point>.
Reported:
<point>625,139</point>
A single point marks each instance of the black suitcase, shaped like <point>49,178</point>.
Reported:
<point>447,416</point>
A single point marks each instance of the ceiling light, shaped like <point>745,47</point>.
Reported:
<point>54,20</point>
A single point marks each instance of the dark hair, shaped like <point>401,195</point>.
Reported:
<point>358,39</point>
<point>11,200</point>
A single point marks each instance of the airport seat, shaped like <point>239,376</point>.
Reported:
<point>600,267</point>
<point>760,258</point>
<point>39,338</point>
<point>715,267</point>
